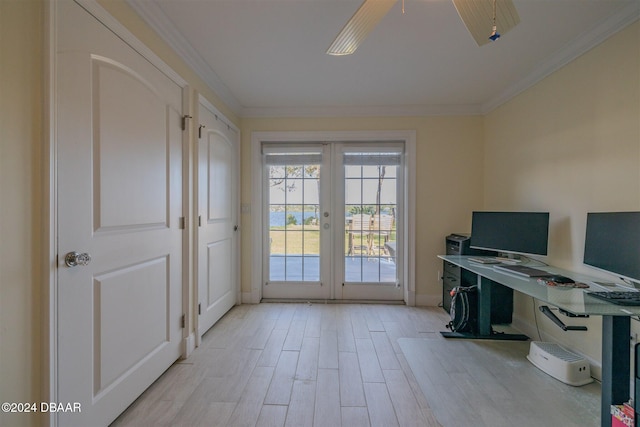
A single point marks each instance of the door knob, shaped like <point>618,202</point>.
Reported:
<point>73,259</point>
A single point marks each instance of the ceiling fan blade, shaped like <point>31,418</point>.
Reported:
<point>359,26</point>
<point>477,15</point>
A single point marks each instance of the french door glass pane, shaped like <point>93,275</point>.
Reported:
<point>294,212</point>
<point>370,217</point>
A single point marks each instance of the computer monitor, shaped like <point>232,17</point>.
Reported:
<point>612,243</point>
<point>511,232</point>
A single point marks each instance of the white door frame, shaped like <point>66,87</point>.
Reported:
<point>257,138</point>
<point>50,295</point>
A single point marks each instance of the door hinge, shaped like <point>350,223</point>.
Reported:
<point>199,311</point>
<point>199,220</point>
<point>184,121</point>
<point>183,321</point>
<point>181,223</point>
<point>200,131</point>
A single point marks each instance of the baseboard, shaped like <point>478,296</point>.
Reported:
<point>329,301</point>
<point>248,298</point>
<point>428,300</point>
<point>189,344</point>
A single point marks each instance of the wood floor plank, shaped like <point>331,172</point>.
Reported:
<point>285,316</point>
<point>279,392</point>
<point>149,413</point>
<point>272,416</point>
<point>404,402</point>
<point>379,405</point>
<point>198,413</point>
<point>368,360</point>
<point>328,352</point>
<point>295,334</point>
<point>386,355</point>
<point>327,405</point>
<point>259,339</point>
<point>308,359</point>
<point>427,413</point>
<point>273,348</point>
<point>302,406</point>
<point>374,324</point>
<point>314,322</point>
<point>351,390</point>
<point>359,323</point>
<point>248,408</point>
<point>346,340</point>
<point>355,416</point>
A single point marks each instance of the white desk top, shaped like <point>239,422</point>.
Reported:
<point>573,300</point>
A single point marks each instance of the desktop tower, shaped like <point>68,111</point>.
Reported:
<point>460,244</point>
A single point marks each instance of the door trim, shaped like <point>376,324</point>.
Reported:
<point>50,261</point>
<point>257,138</point>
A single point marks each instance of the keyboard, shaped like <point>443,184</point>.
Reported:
<point>617,297</point>
<point>522,270</point>
<point>485,260</point>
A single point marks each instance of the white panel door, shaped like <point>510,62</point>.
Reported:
<point>217,224</point>
<point>119,177</point>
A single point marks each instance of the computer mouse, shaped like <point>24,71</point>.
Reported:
<point>560,279</point>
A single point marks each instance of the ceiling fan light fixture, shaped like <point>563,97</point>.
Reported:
<point>495,35</point>
<point>476,14</point>
<point>359,26</point>
<point>494,32</point>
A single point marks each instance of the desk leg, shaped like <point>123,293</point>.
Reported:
<point>485,290</point>
<point>616,365</point>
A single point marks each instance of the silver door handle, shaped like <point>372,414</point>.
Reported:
<point>73,259</point>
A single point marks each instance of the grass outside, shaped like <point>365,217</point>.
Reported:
<point>299,239</point>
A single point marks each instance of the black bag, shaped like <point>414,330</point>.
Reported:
<point>464,309</point>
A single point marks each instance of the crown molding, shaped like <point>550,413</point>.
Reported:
<point>580,45</point>
<point>364,111</point>
<point>162,25</point>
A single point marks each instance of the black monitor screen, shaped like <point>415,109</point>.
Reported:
<point>515,232</point>
<point>612,243</point>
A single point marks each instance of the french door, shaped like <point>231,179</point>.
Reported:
<point>332,227</point>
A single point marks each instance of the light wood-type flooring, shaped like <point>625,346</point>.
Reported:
<point>300,364</point>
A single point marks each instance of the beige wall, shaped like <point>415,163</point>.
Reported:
<point>449,170</point>
<point>570,145</point>
<point>21,240</point>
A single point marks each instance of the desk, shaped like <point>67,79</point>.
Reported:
<point>616,324</point>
